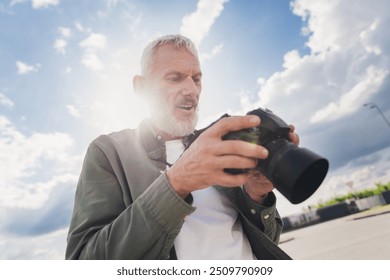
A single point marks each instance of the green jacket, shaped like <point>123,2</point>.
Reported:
<point>125,207</point>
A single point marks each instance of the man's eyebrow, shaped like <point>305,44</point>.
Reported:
<point>198,74</point>
<point>173,72</point>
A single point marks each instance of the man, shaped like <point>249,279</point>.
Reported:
<point>141,197</point>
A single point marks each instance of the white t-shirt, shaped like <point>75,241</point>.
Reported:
<point>213,230</point>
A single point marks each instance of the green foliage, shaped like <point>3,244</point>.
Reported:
<point>381,188</point>
<point>357,195</point>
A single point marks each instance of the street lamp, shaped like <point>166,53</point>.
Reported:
<point>373,105</point>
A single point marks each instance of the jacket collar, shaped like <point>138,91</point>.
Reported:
<point>151,140</point>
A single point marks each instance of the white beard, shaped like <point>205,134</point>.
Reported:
<point>163,117</point>
<point>174,127</point>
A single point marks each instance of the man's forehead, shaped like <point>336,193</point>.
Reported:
<point>172,55</point>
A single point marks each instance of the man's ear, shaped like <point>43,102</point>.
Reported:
<point>139,85</point>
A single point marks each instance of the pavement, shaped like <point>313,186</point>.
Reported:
<point>372,212</point>
<point>361,236</point>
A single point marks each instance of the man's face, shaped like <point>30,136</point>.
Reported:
<point>174,86</point>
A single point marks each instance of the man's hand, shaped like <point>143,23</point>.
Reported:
<point>203,164</point>
<point>258,186</point>
<point>293,136</point>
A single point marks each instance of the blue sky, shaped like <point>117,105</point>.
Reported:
<point>66,73</point>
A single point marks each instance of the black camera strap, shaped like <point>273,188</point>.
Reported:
<point>189,139</point>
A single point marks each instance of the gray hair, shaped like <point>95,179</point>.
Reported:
<point>177,41</point>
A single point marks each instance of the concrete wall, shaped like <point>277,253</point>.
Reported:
<point>369,202</point>
<point>333,211</point>
<point>386,196</point>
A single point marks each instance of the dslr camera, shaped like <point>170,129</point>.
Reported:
<point>294,171</point>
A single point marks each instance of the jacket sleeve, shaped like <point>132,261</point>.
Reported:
<point>102,227</point>
<point>265,217</point>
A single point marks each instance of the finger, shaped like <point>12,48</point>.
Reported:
<point>228,124</point>
<point>260,180</point>
<point>242,148</point>
<point>229,180</point>
<point>292,135</point>
<point>294,138</point>
<point>255,174</point>
<point>235,162</point>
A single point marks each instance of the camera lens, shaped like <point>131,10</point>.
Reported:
<point>296,172</point>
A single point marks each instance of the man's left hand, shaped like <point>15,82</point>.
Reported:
<point>258,186</point>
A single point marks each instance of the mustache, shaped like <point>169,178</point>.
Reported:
<point>187,100</point>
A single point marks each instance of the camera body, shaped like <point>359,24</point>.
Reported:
<point>296,172</point>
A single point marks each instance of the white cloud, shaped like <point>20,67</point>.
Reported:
<point>61,43</point>
<point>73,111</point>
<point>64,31</point>
<point>291,59</point>
<point>92,61</point>
<point>347,64</point>
<point>38,175</point>
<point>331,28</point>
<point>37,4</point>
<point>91,45</point>
<point>353,99</point>
<point>214,52</point>
<point>14,2</point>
<point>197,24</point>
<point>32,166</point>
<point>49,246</point>
<point>112,3</point>
<point>81,28</point>
<point>5,101</point>
<point>368,40</point>
<point>24,68</point>
<point>95,41</point>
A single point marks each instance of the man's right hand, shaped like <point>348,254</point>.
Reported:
<point>203,163</point>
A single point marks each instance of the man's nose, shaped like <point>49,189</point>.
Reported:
<point>190,87</point>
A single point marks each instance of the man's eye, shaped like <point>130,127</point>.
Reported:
<point>197,80</point>
<point>175,78</point>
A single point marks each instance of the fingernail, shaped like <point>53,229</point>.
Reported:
<point>254,119</point>
<point>265,153</point>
